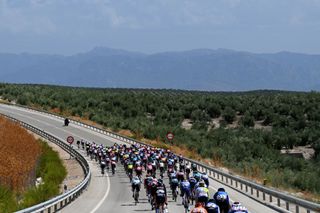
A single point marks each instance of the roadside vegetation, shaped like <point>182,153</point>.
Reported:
<point>22,160</point>
<point>241,131</point>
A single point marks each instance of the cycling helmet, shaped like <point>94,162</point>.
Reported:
<point>201,183</point>
<point>221,190</point>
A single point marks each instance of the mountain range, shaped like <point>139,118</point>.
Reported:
<point>200,69</point>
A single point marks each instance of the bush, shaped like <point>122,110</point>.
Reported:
<point>247,120</point>
<point>229,115</point>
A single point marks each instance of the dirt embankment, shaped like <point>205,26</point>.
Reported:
<point>19,154</point>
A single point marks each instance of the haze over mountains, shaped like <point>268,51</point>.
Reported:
<point>201,69</point>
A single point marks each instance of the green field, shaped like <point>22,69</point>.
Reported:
<point>241,131</point>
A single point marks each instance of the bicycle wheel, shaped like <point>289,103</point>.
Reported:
<point>136,197</point>
<point>186,203</point>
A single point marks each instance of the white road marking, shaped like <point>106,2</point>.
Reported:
<point>104,197</point>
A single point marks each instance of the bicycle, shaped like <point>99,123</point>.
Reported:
<point>130,176</point>
<point>161,208</point>
<point>175,194</point>
<point>192,196</point>
<point>136,196</point>
<point>102,169</point>
<point>186,202</point>
<point>113,168</point>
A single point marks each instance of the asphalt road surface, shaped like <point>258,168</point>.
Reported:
<point>110,193</point>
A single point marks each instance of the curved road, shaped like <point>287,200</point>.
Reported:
<point>110,193</point>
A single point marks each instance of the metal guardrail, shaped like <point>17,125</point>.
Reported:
<point>62,200</point>
<point>277,200</point>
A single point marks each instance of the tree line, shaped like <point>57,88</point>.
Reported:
<point>287,119</point>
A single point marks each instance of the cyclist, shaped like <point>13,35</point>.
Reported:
<point>212,207</point>
<point>130,169</point>
<point>199,208</point>
<point>193,183</point>
<point>149,168</point>
<point>66,122</point>
<point>180,175</point>
<point>194,167</point>
<point>182,166</point>
<point>185,192</point>
<point>153,186</point>
<point>136,185</point>
<point>197,176</point>
<point>113,166</point>
<point>185,188</point>
<point>174,183</point>
<point>222,200</point>
<point>160,195</point>
<point>138,170</point>
<point>205,178</point>
<point>172,175</point>
<point>202,193</point>
<point>103,166</point>
<point>188,169</point>
<point>161,168</point>
<point>238,208</point>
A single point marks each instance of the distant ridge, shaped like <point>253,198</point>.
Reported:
<point>198,69</point>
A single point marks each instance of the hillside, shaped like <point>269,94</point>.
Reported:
<point>202,69</point>
<point>243,131</point>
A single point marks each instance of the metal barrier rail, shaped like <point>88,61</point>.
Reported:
<point>62,200</point>
<point>277,200</point>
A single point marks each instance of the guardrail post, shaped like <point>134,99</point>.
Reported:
<point>231,182</point>
<point>246,188</point>
<point>241,186</point>
<point>227,180</point>
<point>287,205</point>
<point>270,199</point>
<point>278,201</point>
<point>264,196</point>
<point>236,184</point>
<point>257,193</point>
<point>251,190</point>
<point>297,209</point>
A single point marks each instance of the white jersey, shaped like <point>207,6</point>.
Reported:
<point>136,181</point>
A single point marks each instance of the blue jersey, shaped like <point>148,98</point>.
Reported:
<point>185,185</point>
<point>211,207</point>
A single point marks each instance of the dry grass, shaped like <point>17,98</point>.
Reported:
<point>19,152</point>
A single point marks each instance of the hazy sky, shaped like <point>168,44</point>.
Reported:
<point>71,26</point>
